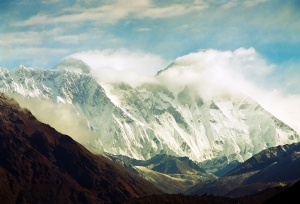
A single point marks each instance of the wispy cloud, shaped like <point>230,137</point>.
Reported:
<point>29,37</point>
<point>252,3</point>
<point>111,13</point>
<point>229,5</point>
<point>142,29</point>
<point>70,39</point>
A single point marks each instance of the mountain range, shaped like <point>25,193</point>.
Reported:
<point>151,118</point>
<point>177,138</point>
<point>276,166</point>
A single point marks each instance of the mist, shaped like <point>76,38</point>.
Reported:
<point>63,118</point>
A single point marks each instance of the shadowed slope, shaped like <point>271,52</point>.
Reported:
<point>40,165</point>
<point>276,166</point>
<point>290,195</point>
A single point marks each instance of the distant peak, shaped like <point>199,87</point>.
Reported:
<point>169,66</point>
<point>73,65</point>
<point>20,67</point>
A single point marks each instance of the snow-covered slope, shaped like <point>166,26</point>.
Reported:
<point>143,121</point>
<point>184,124</point>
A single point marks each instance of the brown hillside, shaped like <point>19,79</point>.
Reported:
<point>40,165</point>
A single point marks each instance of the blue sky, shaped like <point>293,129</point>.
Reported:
<point>42,33</point>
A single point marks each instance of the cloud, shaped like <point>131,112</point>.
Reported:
<point>171,10</point>
<point>20,38</point>
<point>252,3</point>
<point>143,29</point>
<point>210,73</point>
<point>285,107</point>
<point>176,27</point>
<point>123,59</point>
<point>122,65</point>
<point>62,117</point>
<point>49,1</point>
<point>70,39</point>
<point>27,38</point>
<point>112,13</point>
<point>213,73</point>
<point>230,4</point>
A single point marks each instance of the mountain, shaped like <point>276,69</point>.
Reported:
<point>266,196</point>
<point>40,165</point>
<point>164,164</point>
<point>276,166</point>
<point>170,173</point>
<point>290,195</point>
<point>153,118</point>
<point>182,199</point>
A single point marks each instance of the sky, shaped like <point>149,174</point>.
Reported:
<point>41,33</point>
<point>147,35</point>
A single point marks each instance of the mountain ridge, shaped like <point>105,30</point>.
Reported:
<point>151,119</point>
<point>275,166</point>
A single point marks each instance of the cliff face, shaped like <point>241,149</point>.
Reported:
<point>40,165</point>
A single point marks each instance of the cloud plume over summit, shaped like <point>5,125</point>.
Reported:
<point>209,72</point>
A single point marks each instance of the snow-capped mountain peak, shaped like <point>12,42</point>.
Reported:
<point>73,65</point>
<point>150,119</point>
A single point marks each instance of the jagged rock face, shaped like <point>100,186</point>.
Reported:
<point>141,122</point>
<point>40,165</point>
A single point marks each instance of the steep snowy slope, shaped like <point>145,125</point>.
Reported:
<point>141,122</point>
<point>186,125</point>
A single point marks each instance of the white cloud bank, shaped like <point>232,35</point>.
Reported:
<point>214,72</point>
<point>133,67</point>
